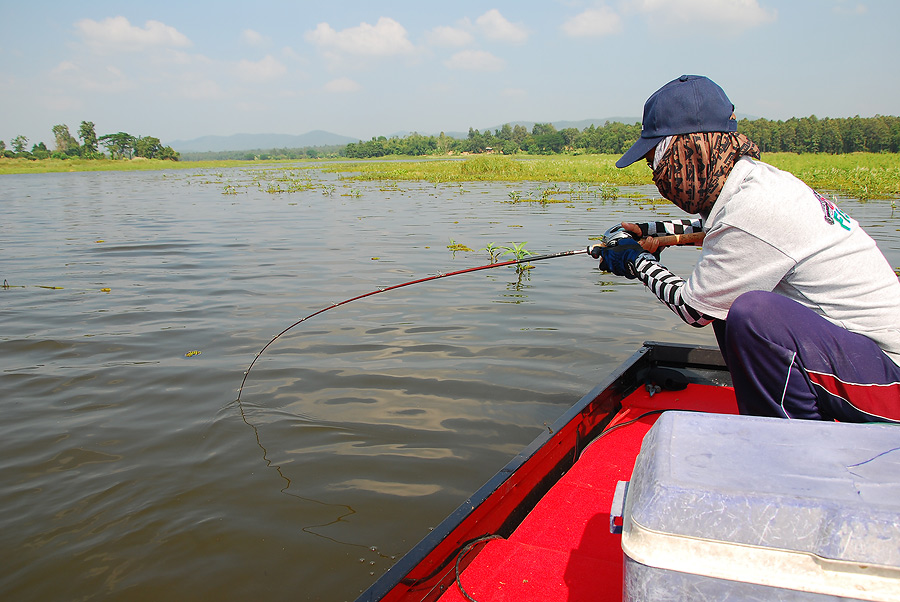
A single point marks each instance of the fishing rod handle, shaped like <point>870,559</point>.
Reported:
<point>669,240</point>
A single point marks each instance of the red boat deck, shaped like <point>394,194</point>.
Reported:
<point>563,551</point>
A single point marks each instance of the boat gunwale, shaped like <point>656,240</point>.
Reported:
<point>432,557</point>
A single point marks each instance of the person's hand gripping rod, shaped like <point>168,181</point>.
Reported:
<point>619,248</point>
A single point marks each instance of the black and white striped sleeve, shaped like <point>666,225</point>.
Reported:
<point>667,286</point>
<point>675,226</point>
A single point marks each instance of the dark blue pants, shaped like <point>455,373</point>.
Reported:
<point>787,361</point>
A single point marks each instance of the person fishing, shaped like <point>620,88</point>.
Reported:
<point>805,307</point>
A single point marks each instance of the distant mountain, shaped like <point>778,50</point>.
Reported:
<point>240,142</point>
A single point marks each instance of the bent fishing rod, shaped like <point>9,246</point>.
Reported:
<point>609,239</point>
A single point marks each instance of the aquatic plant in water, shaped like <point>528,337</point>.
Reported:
<point>519,251</point>
<point>609,191</point>
<point>494,251</point>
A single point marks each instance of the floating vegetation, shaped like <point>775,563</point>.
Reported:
<point>290,186</point>
<point>6,286</point>
<point>654,201</point>
<point>551,194</point>
<point>456,246</point>
<point>609,191</point>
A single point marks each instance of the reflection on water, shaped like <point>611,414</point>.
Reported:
<point>129,468</point>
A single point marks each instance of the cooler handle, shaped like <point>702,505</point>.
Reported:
<point>617,509</point>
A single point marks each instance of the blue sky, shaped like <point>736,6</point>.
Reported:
<point>180,70</point>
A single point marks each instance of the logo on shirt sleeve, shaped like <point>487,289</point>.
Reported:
<point>833,215</point>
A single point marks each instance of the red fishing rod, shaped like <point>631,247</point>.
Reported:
<point>488,266</point>
<point>610,238</point>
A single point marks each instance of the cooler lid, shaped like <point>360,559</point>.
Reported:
<point>755,499</point>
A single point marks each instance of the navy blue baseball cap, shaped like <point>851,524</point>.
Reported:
<point>689,104</point>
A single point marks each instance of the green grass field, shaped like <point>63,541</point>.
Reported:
<point>24,166</point>
<point>859,175</point>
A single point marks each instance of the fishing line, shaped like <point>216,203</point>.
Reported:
<point>401,285</point>
<point>459,560</point>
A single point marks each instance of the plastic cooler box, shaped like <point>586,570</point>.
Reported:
<point>743,508</point>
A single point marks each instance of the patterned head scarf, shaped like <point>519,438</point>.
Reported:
<point>693,170</point>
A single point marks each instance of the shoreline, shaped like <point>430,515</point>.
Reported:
<point>863,176</point>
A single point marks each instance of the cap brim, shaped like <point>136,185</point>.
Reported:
<point>640,148</point>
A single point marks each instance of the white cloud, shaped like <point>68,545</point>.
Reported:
<point>386,38</point>
<point>495,27</point>
<point>263,70</point>
<point>450,36</point>
<point>732,13</point>
<point>600,21</point>
<point>116,34</point>
<point>475,60</point>
<point>254,38</point>
<point>342,85</point>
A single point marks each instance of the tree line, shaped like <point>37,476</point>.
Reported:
<point>269,154</point>
<point>120,145</point>
<point>796,135</point>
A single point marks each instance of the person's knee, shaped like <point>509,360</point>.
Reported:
<point>751,306</point>
<point>749,314</point>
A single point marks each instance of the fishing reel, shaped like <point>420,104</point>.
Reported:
<point>611,238</point>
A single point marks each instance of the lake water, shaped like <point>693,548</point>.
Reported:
<point>134,302</point>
